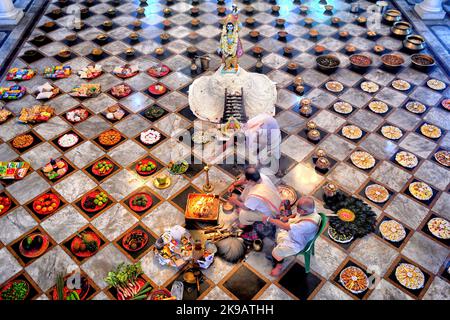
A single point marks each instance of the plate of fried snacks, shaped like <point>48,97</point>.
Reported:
<point>90,72</point>
<point>416,107</point>
<point>4,115</point>
<point>406,159</point>
<point>430,131</point>
<point>369,86</point>
<point>420,190</point>
<point>401,85</point>
<point>86,90</point>
<point>391,132</point>
<point>377,193</point>
<point>352,132</point>
<point>378,107</point>
<point>409,276</point>
<point>354,279</point>
<point>334,86</point>
<point>440,228</point>
<point>392,231</point>
<point>38,113</point>
<point>443,157</point>
<point>343,107</point>
<point>362,159</point>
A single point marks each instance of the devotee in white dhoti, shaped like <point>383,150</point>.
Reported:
<point>259,199</point>
<point>292,236</point>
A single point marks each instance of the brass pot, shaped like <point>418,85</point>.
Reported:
<point>311,125</point>
<point>314,135</point>
<point>320,153</point>
<point>323,163</point>
<point>305,110</point>
<point>392,15</point>
<point>414,42</point>
<point>329,189</point>
<point>298,81</point>
<point>134,36</point>
<point>401,29</point>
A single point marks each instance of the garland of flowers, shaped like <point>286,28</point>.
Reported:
<point>352,216</point>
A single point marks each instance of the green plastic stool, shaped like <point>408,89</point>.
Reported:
<point>309,248</point>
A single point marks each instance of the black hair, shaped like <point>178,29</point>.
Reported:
<point>252,174</point>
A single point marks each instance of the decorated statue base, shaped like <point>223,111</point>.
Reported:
<point>207,93</point>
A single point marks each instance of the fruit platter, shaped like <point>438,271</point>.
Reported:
<point>150,137</point>
<point>146,167</point>
<point>410,276</point>
<point>339,237</point>
<point>17,74</point>
<point>392,231</point>
<point>4,114</point>
<point>352,132</point>
<point>46,204</point>
<point>362,159</point>
<point>420,190</point>
<point>85,244</point>
<point>91,72</point>
<point>377,193</point>
<point>57,72</point>
<point>12,93</point>
<point>140,202</point>
<point>5,204</point>
<point>77,115</point>
<point>154,112</point>
<point>13,170</point>
<point>23,141</point>
<point>125,71</point>
<point>354,280</point>
<point>36,114</point>
<point>128,283</point>
<point>158,71</point>
<point>135,240</point>
<point>109,138</point>
<point>157,89</point>
<point>62,292</point>
<point>94,201</point>
<point>406,159</point>
<point>15,290</point>
<point>102,168</point>
<point>443,157</point>
<point>46,91</point>
<point>55,169</point>
<point>440,228</point>
<point>174,247</point>
<point>34,245</point>
<point>86,90</point>
<point>178,167</point>
<point>121,91</point>
<point>68,140</point>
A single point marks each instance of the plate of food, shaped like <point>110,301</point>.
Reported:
<point>436,84</point>
<point>157,89</point>
<point>446,104</point>
<point>23,141</point>
<point>109,138</point>
<point>126,71</point>
<point>36,114</point>
<point>46,91</point>
<point>287,193</point>
<point>150,137</point>
<point>85,244</point>
<point>154,112</point>
<point>34,245</point>
<point>443,157</point>
<point>354,280</point>
<point>339,237</point>
<point>55,169</point>
<point>401,85</point>
<point>91,72</point>
<point>392,231</point>
<point>135,240</point>
<point>391,132</point>
<point>5,204</point>
<point>4,115</point>
<point>140,202</point>
<point>160,294</point>
<point>334,86</point>
<point>15,290</point>
<point>430,131</point>
<point>121,91</point>
<point>57,72</point>
<point>378,107</point>
<point>352,132</point>
<point>410,276</point>
<point>20,74</point>
<point>12,93</point>
<point>440,228</point>
<point>46,204</point>
<point>201,137</point>
<point>68,140</point>
<point>77,115</point>
<point>420,190</point>
<point>343,107</point>
<point>86,90</point>
<point>102,168</point>
<point>158,71</point>
<point>377,193</point>
<point>94,201</point>
<point>178,167</point>
<point>146,167</point>
<point>362,159</point>
<point>369,86</point>
<point>406,159</point>
<point>416,107</point>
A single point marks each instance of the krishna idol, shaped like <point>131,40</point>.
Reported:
<point>230,44</point>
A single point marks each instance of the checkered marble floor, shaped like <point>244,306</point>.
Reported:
<point>249,279</point>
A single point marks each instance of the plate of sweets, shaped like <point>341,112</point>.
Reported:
<point>440,228</point>
<point>416,107</point>
<point>362,159</point>
<point>5,114</point>
<point>77,115</point>
<point>352,132</point>
<point>68,140</point>
<point>86,90</point>
<point>23,141</point>
<point>157,89</point>
<point>109,138</point>
<point>150,137</point>
<point>410,276</point>
<point>57,72</point>
<point>406,159</point>
<point>378,107</point>
<point>369,86</point>
<point>94,201</point>
<point>343,107</point>
<point>36,114</point>
<point>443,157</point>
<point>392,231</point>
<point>126,71</point>
<point>146,167</point>
<point>55,169</point>
<point>401,85</point>
<point>436,84</point>
<point>391,132</point>
<point>420,190</point>
<point>334,86</point>
<point>91,72</point>
<point>46,91</point>
<point>430,131</point>
<point>12,93</point>
<point>18,74</point>
<point>354,280</point>
<point>121,90</point>
<point>377,193</point>
<point>34,245</point>
<point>158,71</point>
<point>46,204</point>
<point>102,168</point>
<point>5,204</point>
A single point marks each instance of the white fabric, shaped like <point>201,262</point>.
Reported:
<point>255,203</point>
<point>302,231</point>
